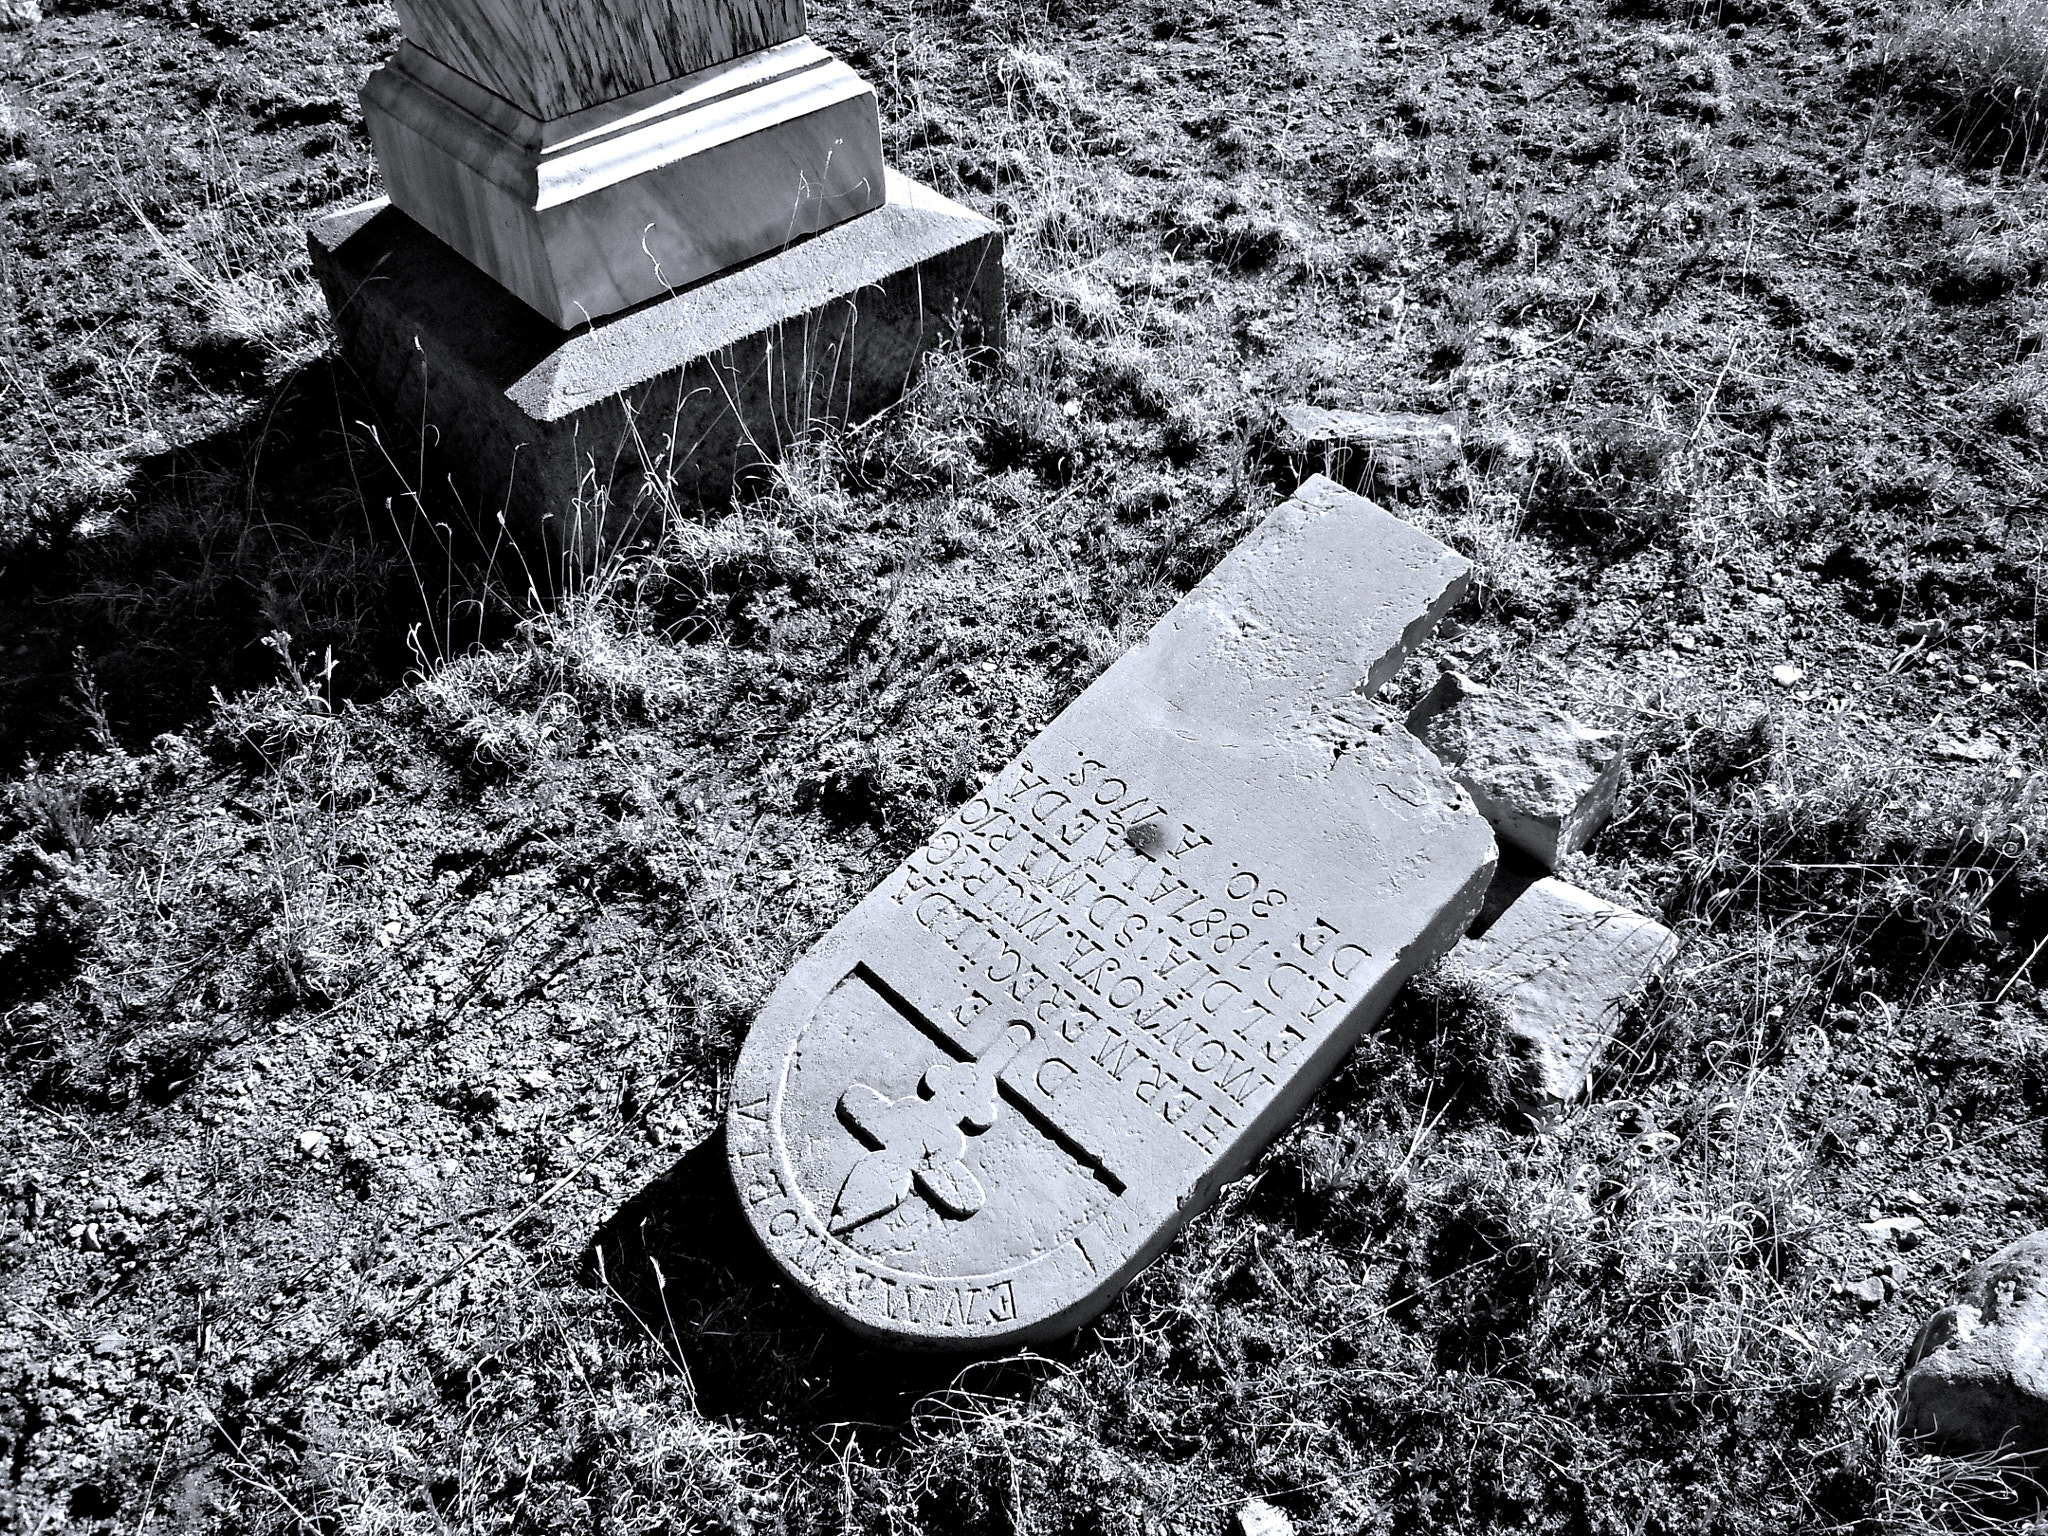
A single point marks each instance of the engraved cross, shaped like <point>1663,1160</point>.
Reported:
<point>918,1142</point>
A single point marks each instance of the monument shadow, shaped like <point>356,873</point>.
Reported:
<point>136,603</point>
<point>680,1260</point>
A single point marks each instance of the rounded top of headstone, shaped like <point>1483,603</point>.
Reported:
<point>551,58</point>
<point>997,1087</point>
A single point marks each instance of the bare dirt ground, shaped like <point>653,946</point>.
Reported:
<point>374,940</point>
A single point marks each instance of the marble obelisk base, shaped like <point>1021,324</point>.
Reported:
<point>587,215</point>
<point>580,435</point>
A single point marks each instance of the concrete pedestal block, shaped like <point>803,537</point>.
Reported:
<point>578,433</point>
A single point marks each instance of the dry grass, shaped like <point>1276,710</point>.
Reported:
<point>1983,64</point>
<point>527,898</point>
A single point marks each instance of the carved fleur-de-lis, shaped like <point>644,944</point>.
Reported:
<point>919,1140</point>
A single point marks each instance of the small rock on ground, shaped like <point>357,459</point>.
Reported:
<point>1977,1376</point>
<point>1258,1518</point>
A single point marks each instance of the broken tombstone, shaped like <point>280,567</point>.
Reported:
<point>1546,782</point>
<point>998,1087</point>
<point>1567,964</point>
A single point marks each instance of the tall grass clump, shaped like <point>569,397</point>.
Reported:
<point>1983,67</point>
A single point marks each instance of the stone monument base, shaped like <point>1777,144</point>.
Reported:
<point>593,213</point>
<point>578,435</point>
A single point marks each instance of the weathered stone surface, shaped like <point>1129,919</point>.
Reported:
<point>995,1090</point>
<point>1376,451</point>
<point>1255,1517</point>
<point>1546,782</point>
<point>693,389</point>
<point>1977,1376</point>
<point>1568,963</point>
<point>587,215</point>
<point>554,57</point>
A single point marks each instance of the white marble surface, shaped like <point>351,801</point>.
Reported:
<point>595,212</point>
<point>554,57</point>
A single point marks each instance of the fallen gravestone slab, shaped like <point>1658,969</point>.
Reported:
<point>1569,963</point>
<point>995,1090</point>
<point>1976,1378</point>
<point>1546,782</point>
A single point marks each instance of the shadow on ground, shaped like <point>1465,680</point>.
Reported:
<point>680,1257</point>
<point>129,611</point>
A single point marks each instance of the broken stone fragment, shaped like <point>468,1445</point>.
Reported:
<point>1378,452</point>
<point>1903,1230</point>
<point>1976,1379</point>
<point>1981,749</point>
<point>1568,964</point>
<point>1546,782</point>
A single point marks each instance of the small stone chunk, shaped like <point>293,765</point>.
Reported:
<point>997,1088</point>
<point>1258,1518</point>
<point>1569,963</point>
<point>1903,1230</point>
<point>1980,749</point>
<point>1546,782</point>
<point>1378,452</point>
<point>1977,1376</point>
